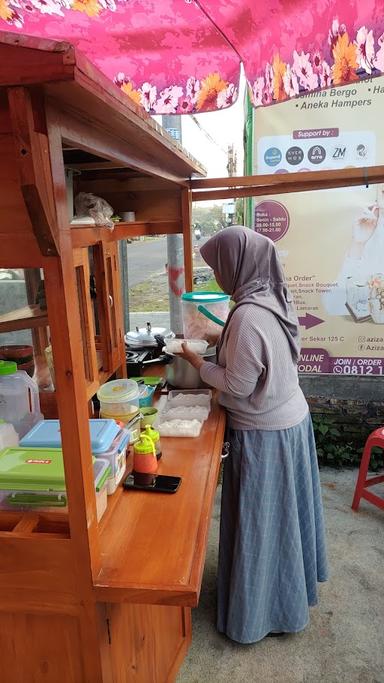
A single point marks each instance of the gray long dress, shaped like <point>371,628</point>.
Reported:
<point>272,542</point>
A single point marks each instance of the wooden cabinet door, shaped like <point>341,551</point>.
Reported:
<point>148,642</point>
<point>43,648</point>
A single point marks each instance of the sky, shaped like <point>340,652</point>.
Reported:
<point>225,127</point>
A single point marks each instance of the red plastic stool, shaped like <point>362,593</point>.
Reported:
<point>362,484</point>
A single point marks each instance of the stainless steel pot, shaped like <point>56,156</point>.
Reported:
<point>182,375</point>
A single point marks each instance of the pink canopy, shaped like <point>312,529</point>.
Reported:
<point>183,56</point>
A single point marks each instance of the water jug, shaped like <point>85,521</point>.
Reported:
<point>19,398</point>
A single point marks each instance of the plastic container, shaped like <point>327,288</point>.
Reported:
<point>189,397</point>
<point>102,472</point>
<point>116,456</point>
<point>119,399</point>
<point>19,398</point>
<point>33,479</point>
<point>108,441</point>
<point>184,413</point>
<point>196,324</point>
<point>148,417</point>
<point>190,428</point>
<point>8,435</point>
<point>146,395</point>
<point>46,434</point>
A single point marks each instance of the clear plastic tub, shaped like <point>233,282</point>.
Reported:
<point>184,413</point>
<point>204,313</point>
<point>119,399</point>
<point>181,428</point>
<point>116,456</point>
<point>189,397</point>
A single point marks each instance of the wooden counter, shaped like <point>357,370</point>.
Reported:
<point>153,545</point>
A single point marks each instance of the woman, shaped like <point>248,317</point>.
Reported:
<point>272,546</point>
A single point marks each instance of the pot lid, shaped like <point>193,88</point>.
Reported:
<point>146,336</point>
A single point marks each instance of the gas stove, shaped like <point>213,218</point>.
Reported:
<point>138,359</point>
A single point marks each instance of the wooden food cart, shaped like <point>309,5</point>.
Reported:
<point>82,601</point>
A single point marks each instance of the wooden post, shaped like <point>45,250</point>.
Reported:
<point>186,209</point>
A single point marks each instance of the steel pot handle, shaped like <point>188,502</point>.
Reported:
<point>225,450</point>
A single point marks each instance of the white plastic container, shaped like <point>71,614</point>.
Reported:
<point>119,399</point>
<point>19,398</point>
<point>184,413</point>
<point>102,472</point>
<point>8,435</point>
<point>116,456</point>
<point>181,428</point>
<point>189,397</point>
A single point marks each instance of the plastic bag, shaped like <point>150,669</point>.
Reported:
<point>87,204</point>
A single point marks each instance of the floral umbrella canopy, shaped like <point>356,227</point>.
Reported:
<point>183,56</point>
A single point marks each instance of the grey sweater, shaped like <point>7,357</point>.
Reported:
<point>256,376</point>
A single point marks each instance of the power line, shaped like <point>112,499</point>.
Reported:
<point>207,135</point>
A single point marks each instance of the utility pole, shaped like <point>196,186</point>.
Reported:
<point>229,207</point>
<point>175,251</point>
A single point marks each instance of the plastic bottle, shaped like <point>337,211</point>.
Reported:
<point>144,461</point>
<point>19,398</point>
<point>8,435</point>
<point>155,436</point>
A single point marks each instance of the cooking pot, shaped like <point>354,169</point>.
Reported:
<point>182,375</point>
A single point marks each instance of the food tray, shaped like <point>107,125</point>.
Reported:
<point>189,397</point>
<point>180,428</point>
<point>184,413</point>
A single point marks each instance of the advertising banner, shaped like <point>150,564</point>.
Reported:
<point>331,242</point>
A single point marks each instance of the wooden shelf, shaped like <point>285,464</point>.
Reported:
<point>153,546</point>
<point>88,235</point>
<point>26,318</point>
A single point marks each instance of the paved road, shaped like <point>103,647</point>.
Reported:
<point>148,258</point>
<point>145,259</point>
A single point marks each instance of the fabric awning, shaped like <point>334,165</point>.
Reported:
<point>184,56</point>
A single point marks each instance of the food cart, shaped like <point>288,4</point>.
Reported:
<point>82,600</point>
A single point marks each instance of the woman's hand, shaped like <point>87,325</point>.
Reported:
<point>192,357</point>
<point>212,338</point>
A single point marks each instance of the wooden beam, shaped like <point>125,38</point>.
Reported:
<point>26,61</point>
<point>86,236</point>
<point>19,250</point>
<point>26,318</point>
<point>34,169</point>
<point>105,142</point>
<point>254,186</point>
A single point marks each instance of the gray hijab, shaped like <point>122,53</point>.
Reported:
<point>248,268</point>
